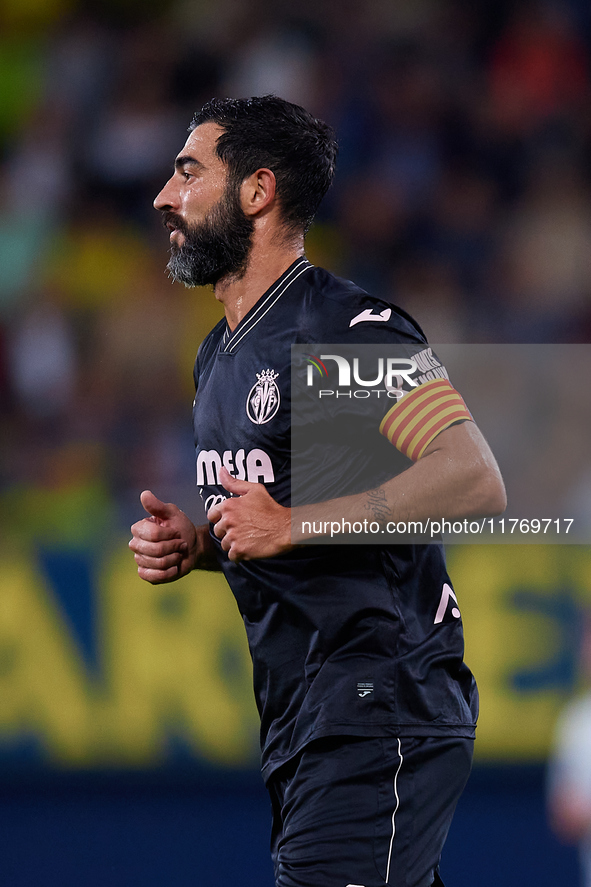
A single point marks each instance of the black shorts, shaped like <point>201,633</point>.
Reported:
<point>356,812</point>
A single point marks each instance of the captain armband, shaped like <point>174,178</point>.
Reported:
<point>416,419</point>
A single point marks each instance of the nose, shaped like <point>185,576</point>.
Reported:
<point>166,199</point>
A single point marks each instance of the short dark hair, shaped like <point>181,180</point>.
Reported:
<point>267,131</point>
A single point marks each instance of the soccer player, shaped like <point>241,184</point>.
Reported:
<point>367,709</point>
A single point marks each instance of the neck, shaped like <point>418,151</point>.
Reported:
<point>265,264</point>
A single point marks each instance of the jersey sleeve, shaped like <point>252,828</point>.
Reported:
<point>421,414</point>
<point>426,403</point>
<point>397,389</point>
<point>368,395</point>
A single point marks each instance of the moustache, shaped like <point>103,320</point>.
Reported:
<point>171,219</point>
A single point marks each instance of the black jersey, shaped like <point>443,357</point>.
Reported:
<point>349,640</point>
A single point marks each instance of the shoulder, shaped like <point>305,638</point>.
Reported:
<point>337,310</point>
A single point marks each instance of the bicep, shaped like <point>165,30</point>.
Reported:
<point>462,451</point>
<point>463,440</point>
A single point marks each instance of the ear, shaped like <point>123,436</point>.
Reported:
<point>257,192</point>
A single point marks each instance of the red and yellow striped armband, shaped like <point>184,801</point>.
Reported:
<point>420,415</point>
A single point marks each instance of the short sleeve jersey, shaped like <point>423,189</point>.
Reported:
<point>349,640</point>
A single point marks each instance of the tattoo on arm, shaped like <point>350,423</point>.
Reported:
<point>377,505</point>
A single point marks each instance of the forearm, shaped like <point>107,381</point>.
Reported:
<point>456,478</point>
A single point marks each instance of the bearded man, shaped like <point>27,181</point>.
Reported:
<point>367,709</point>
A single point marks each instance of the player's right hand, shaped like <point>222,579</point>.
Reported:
<point>164,544</point>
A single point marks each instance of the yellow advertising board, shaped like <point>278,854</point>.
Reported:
<point>522,608</point>
<point>173,666</point>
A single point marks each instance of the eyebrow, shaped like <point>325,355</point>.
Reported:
<point>187,160</point>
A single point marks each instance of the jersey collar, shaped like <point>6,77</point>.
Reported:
<point>265,303</point>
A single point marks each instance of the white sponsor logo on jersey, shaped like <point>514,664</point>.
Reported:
<point>254,466</point>
<point>213,500</point>
<point>263,398</point>
<point>368,314</point>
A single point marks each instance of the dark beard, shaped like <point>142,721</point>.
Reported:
<point>217,247</point>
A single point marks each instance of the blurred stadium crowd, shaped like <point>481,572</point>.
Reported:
<point>462,194</point>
